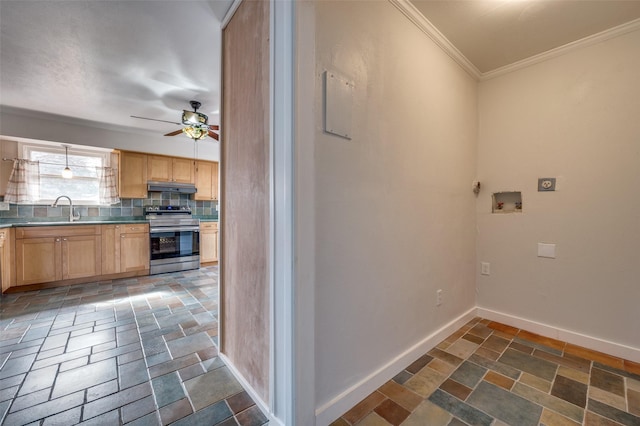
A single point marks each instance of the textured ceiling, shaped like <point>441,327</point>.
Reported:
<point>495,33</point>
<point>106,60</point>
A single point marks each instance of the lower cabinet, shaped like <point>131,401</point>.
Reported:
<point>6,258</point>
<point>54,253</point>
<point>125,248</point>
<point>77,253</point>
<point>81,256</point>
<point>208,242</point>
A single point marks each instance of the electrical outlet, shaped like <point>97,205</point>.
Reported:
<point>546,184</point>
<point>4,206</point>
<point>439,297</point>
<point>485,268</point>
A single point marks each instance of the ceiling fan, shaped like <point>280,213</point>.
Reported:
<point>195,124</point>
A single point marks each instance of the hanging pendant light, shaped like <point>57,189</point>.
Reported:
<point>67,173</point>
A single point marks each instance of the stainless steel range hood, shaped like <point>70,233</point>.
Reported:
<point>182,188</point>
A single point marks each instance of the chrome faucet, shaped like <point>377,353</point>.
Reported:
<point>71,216</point>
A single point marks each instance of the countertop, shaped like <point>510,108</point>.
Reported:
<point>17,223</point>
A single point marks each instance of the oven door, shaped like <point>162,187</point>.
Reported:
<point>173,243</point>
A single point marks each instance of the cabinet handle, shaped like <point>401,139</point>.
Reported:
<point>58,240</point>
<point>121,236</point>
<point>64,239</point>
<point>117,226</point>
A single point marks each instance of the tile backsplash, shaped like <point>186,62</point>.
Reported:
<point>126,208</point>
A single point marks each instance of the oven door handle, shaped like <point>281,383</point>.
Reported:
<point>174,229</point>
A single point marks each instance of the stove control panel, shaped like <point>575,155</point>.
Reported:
<point>168,209</point>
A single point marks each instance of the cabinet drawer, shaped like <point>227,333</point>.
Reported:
<point>134,228</point>
<point>208,226</point>
<point>57,231</point>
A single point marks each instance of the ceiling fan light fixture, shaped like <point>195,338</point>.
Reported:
<point>194,117</point>
<point>195,124</point>
<point>196,132</point>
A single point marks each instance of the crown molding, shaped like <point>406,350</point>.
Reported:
<point>563,50</point>
<point>414,15</point>
<point>418,19</point>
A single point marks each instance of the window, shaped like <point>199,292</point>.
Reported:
<point>83,188</point>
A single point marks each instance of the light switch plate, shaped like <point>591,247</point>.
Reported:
<point>4,206</point>
<point>546,184</point>
<point>547,250</point>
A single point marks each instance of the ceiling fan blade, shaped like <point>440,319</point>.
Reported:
<point>153,119</point>
<point>213,135</point>
<point>177,132</point>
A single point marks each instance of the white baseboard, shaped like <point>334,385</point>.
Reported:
<point>263,406</point>
<point>589,342</point>
<point>356,393</point>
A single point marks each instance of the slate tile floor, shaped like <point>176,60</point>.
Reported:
<point>137,351</point>
<point>488,373</point>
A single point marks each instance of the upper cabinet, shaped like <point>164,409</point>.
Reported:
<point>170,169</point>
<point>136,169</point>
<point>133,175</point>
<point>206,180</point>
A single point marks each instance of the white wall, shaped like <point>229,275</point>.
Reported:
<point>47,127</point>
<point>393,206</point>
<point>575,117</point>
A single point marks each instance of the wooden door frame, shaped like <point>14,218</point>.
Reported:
<point>281,408</point>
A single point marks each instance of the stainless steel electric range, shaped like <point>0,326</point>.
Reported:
<point>174,239</point>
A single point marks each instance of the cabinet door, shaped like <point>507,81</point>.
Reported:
<point>38,260</point>
<point>160,168</point>
<point>133,175</point>
<point>183,170</point>
<point>214,181</point>
<point>134,252</point>
<point>206,180</point>
<point>110,249</point>
<point>81,256</point>
<point>208,242</point>
<point>215,245</point>
<point>7,263</point>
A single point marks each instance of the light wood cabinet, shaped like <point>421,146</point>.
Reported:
<point>6,258</point>
<point>206,180</point>
<point>134,247</point>
<point>38,260</point>
<point>110,249</point>
<point>133,175</point>
<point>81,256</point>
<point>208,242</point>
<point>183,170</point>
<point>170,169</point>
<point>54,253</point>
<point>125,248</point>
